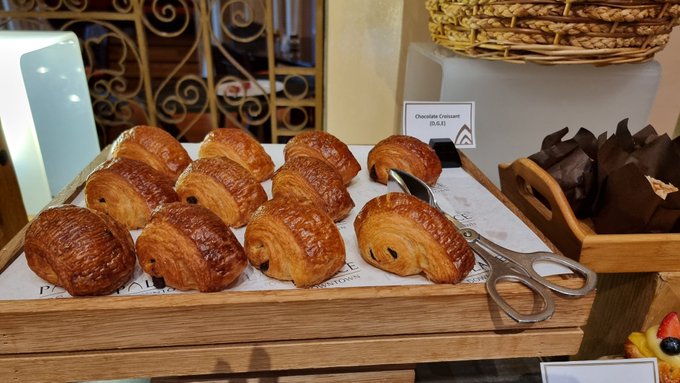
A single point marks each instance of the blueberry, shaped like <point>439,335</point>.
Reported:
<point>670,345</point>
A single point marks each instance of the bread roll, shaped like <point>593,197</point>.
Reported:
<point>314,180</point>
<point>327,147</point>
<point>84,251</point>
<point>128,190</point>
<point>405,153</point>
<point>224,187</point>
<point>153,146</point>
<point>294,240</point>
<point>401,234</point>
<point>238,146</point>
<point>190,248</point>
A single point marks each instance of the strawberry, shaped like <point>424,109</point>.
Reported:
<point>670,326</point>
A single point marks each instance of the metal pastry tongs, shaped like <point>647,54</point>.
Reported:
<point>504,264</point>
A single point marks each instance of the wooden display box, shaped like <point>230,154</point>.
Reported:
<point>604,253</point>
<point>234,332</point>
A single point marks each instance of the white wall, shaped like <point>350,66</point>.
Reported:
<point>366,54</point>
<point>667,103</point>
<point>362,68</point>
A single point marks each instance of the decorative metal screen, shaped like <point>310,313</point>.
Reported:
<point>190,66</point>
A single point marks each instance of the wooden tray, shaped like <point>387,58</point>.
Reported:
<point>604,253</point>
<point>231,332</point>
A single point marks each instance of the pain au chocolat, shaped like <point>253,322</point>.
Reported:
<point>153,146</point>
<point>190,248</point>
<point>82,250</point>
<point>403,235</point>
<point>224,187</point>
<point>128,190</point>
<point>294,240</point>
<point>314,180</point>
<point>406,153</point>
<point>238,146</point>
<point>326,147</point>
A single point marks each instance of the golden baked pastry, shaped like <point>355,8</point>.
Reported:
<point>224,187</point>
<point>84,251</point>
<point>661,342</point>
<point>661,188</point>
<point>153,146</point>
<point>241,147</point>
<point>128,190</point>
<point>327,147</point>
<point>294,240</point>
<point>314,180</point>
<point>406,153</point>
<point>401,234</point>
<point>190,248</point>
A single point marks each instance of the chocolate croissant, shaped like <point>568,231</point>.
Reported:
<point>294,240</point>
<point>84,251</point>
<point>153,146</point>
<point>314,180</point>
<point>241,147</point>
<point>327,147</point>
<point>406,153</point>
<point>224,187</point>
<point>403,235</point>
<point>128,190</point>
<point>190,248</point>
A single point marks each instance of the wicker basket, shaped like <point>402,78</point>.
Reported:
<point>554,31</point>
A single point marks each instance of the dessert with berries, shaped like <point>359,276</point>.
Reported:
<point>661,342</point>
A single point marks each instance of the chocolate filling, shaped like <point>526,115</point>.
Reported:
<point>264,266</point>
<point>393,253</point>
<point>192,200</point>
<point>373,173</point>
<point>158,282</point>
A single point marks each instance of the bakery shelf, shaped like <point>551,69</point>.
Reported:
<point>604,253</point>
<point>243,331</point>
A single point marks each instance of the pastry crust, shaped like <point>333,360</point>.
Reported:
<point>224,187</point>
<point>241,147</point>
<point>406,153</point>
<point>190,248</point>
<point>128,190</point>
<point>294,240</point>
<point>403,235</point>
<point>326,147</point>
<point>84,251</point>
<point>314,180</point>
<point>153,146</point>
<point>667,373</point>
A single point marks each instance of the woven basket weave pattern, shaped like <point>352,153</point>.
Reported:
<point>552,31</point>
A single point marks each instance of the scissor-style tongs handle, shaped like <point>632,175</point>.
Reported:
<point>519,266</point>
<point>526,261</point>
<point>500,271</point>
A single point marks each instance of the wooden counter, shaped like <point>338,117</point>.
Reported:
<point>375,328</point>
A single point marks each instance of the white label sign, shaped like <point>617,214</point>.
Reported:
<point>642,370</point>
<point>454,120</point>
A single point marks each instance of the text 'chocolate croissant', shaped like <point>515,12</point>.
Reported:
<point>190,248</point>
<point>294,240</point>
<point>84,251</point>
<point>401,234</point>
